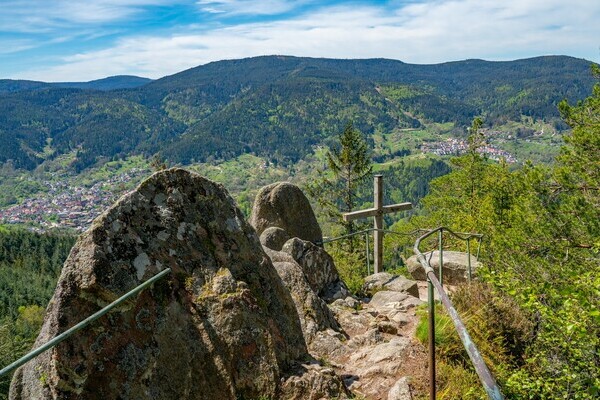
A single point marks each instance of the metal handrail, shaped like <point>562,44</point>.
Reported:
<point>366,233</point>
<point>48,345</point>
<point>489,384</point>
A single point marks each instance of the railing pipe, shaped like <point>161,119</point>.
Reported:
<point>431,320</point>
<point>490,386</point>
<point>485,376</point>
<point>48,345</point>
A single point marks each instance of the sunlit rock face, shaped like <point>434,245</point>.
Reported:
<point>285,206</point>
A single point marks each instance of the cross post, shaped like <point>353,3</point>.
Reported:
<point>377,211</point>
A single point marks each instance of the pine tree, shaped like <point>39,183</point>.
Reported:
<point>350,165</point>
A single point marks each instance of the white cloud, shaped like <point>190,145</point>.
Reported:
<point>249,7</point>
<point>427,32</point>
<point>38,16</point>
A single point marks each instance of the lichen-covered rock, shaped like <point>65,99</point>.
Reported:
<point>221,325</point>
<point>454,270</point>
<point>313,312</point>
<point>386,281</point>
<point>313,382</point>
<point>400,390</point>
<point>274,238</point>
<point>318,267</point>
<point>283,205</point>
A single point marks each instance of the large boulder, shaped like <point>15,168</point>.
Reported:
<point>221,325</point>
<point>454,270</point>
<point>283,205</point>
<point>386,281</point>
<point>313,312</point>
<point>318,267</point>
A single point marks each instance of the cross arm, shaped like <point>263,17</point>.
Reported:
<point>351,216</point>
<point>372,212</point>
<point>397,207</point>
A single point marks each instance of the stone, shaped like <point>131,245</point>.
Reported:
<point>400,390</point>
<point>387,281</point>
<point>318,267</point>
<point>274,238</point>
<point>313,382</point>
<point>388,351</point>
<point>221,325</point>
<point>390,303</point>
<point>454,270</point>
<point>283,205</point>
<point>312,311</point>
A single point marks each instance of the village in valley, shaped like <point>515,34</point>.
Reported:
<point>456,147</point>
<point>66,205</point>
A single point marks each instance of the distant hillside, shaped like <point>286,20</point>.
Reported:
<point>110,83</point>
<point>276,107</point>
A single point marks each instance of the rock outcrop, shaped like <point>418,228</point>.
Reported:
<point>318,267</point>
<point>221,325</point>
<point>312,311</point>
<point>283,205</point>
<point>454,270</point>
<point>386,281</point>
<point>288,227</point>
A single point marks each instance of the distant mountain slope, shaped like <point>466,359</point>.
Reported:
<point>273,106</point>
<point>110,83</point>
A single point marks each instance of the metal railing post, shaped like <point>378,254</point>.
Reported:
<point>441,251</point>
<point>368,255</point>
<point>469,258</point>
<point>431,317</point>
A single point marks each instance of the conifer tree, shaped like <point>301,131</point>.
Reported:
<point>350,165</point>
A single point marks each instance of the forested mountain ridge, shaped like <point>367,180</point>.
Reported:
<point>110,83</point>
<point>276,107</point>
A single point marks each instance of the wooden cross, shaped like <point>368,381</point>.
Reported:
<point>377,212</point>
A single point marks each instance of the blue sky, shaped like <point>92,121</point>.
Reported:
<point>80,40</point>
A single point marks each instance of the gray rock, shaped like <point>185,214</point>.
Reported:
<point>283,205</point>
<point>313,382</point>
<point>312,311</point>
<point>400,390</point>
<point>222,325</point>
<point>318,267</point>
<point>274,238</point>
<point>454,269</point>
<point>387,281</point>
<point>382,352</point>
<point>388,302</point>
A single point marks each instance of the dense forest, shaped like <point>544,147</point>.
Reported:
<point>277,108</point>
<point>535,314</point>
<point>30,264</point>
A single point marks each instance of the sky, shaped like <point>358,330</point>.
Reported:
<point>82,40</point>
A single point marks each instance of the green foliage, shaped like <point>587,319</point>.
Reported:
<point>277,108</point>
<point>350,265</point>
<point>16,338</point>
<point>349,166</point>
<point>30,264</point>
<point>541,234</point>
